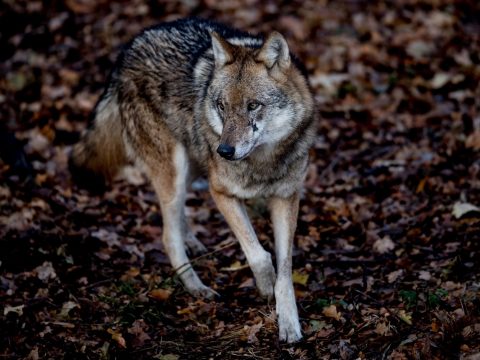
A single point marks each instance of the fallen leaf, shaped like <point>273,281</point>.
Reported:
<point>131,273</point>
<point>439,80</point>
<point>394,275</point>
<point>331,312</point>
<point>45,271</point>
<point>299,278</point>
<point>419,49</point>
<point>329,82</point>
<point>406,317</point>
<point>295,25</point>
<point>187,310</point>
<point>81,6</point>
<point>398,355</point>
<point>38,142</point>
<point>67,307</point>
<point>63,324</point>
<point>21,220</point>
<point>421,185</point>
<point>316,325</point>
<point>383,245</point>
<point>57,22</point>
<point>424,275</point>
<point>109,237</point>
<point>382,328</point>
<point>160,294</point>
<point>251,332</point>
<point>118,338</point>
<point>451,285</point>
<point>473,140</point>
<point>462,208</point>
<point>14,309</point>
<point>69,76</point>
<point>138,329</point>
<point>33,355</point>
<point>167,357</point>
<point>324,333</point>
<point>459,313</point>
<point>236,266</point>
<point>248,283</point>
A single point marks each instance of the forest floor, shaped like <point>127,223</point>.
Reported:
<point>387,251</point>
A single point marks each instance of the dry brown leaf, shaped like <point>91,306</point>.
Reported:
<point>247,283</point>
<point>394,275</point>
<point>45,271</point>
<point>236,266</point>
<point>118,338</point>
<point>138,329</point>
<point>382,328</point>
<point>462,208</point>
<point>299,278</point>
<point>81,6</point>
<point>331,312</point>
<point>383,245</point>
<point>13,309</point>
<point>160,294</point>
<point>67,307</point>
<point>406,317</point>
<point>424,275</point>
<point>251,332</point>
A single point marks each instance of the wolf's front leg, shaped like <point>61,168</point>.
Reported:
<point>260,261</point>
<point>284,212</point>
<point>169,181</point>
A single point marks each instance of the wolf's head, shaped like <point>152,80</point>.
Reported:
<point>256,97</point>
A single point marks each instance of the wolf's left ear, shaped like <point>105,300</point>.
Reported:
<point>222,50</point>
<point>275,52</point>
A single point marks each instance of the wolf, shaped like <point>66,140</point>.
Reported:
<point>193,97</point>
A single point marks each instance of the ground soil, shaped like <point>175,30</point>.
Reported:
<point>386,258</point>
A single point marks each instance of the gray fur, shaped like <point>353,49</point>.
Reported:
<point>172,99</point>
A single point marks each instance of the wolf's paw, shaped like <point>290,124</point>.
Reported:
<point>265,278</point>
<point>203,292</point>
<point>286,309</point>
<point>289,328</point>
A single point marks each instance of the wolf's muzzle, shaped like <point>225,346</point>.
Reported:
<point>226,151</point>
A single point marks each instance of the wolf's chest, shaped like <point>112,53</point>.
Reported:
<point>247,184</point>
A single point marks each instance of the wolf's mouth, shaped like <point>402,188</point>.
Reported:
<point>230,153</point>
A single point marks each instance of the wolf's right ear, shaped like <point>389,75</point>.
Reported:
<point>275,52</point>
<point>222,50</point>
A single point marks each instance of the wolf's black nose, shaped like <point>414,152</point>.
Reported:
<point>226,151</point>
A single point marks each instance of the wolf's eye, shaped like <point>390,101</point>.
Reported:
<point>253,106</point>
<point>220,105</point>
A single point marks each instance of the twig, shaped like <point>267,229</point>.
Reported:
<point>188,265</point>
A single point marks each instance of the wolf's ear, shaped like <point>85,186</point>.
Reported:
<point>275,52</point>
<point>222,50</point>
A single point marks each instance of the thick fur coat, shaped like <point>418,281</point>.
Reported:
<point>195,97</point>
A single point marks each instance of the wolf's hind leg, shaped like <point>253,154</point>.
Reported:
<point>169,182</point>
<point>194,246</point>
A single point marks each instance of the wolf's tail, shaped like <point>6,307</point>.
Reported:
<point>99,155</point>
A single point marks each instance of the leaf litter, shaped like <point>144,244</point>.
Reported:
<point>386,255</point>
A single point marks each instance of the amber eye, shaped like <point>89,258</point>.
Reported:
<point>253,106</point>
<point>220,105</point>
